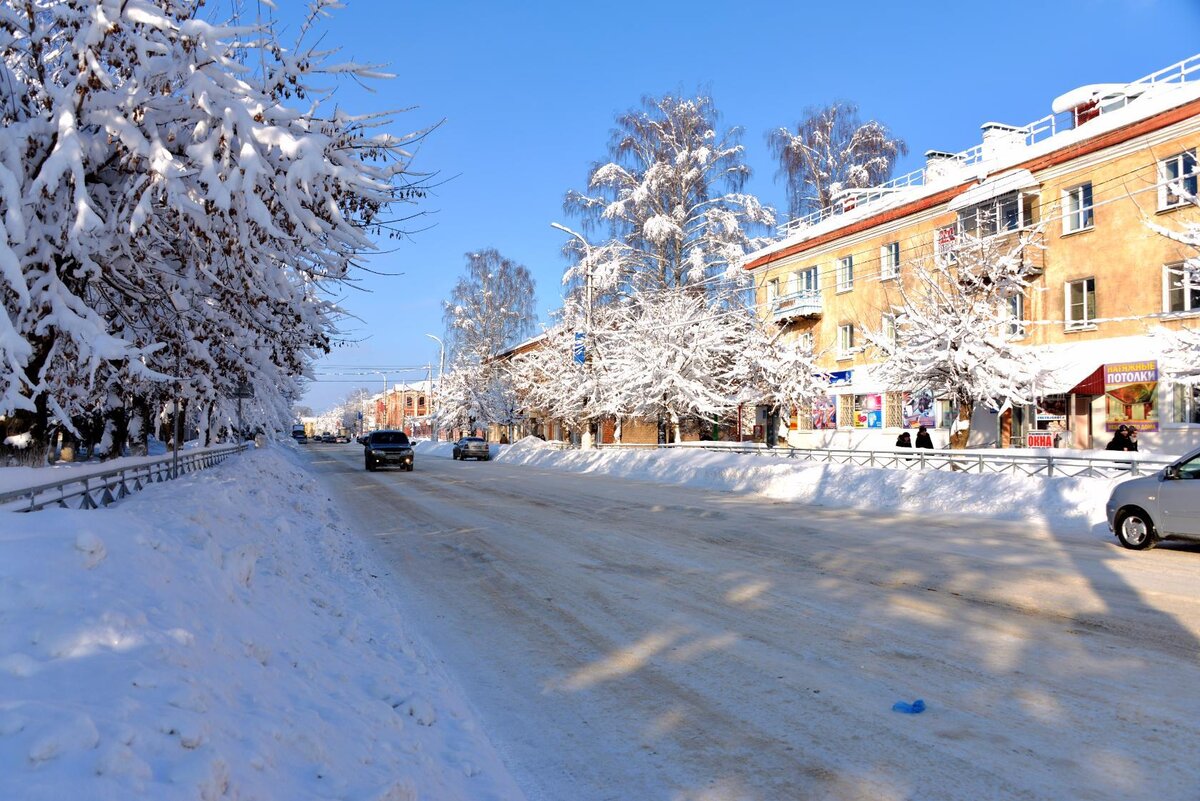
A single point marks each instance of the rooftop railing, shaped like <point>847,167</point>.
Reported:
<point>1037,131</point>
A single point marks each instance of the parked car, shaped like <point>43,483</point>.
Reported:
<point>472,448</point>
<point>1165,505</point>
<point>361,439</point>
<point>340,438</point>
<point>327,437</point>
<point>388,449</point>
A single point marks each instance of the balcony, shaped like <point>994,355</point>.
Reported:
<point>806,303</point>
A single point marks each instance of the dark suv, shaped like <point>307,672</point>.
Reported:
<point>388,448</point>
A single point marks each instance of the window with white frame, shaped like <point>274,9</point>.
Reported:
<point>809,280</point>
<point>995,216</point>
<point>1181,288</point>
<point>845,341</point>
<point>793,284</point>
<point>945,244</point>
<point>889,260</point>
<point>806,341</point>
<point>1077,209</point>
<point>1177,180</point>
<point>1015,312</point>
<point>1185,403</point>
<point>1081,303</point>
<point>772,291</point>
<point>887,325</point>
<point>845,273</point>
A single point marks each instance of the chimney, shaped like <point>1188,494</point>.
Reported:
<point>999,138</point>
<point>939,164</point>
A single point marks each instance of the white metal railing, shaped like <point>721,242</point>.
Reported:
<point>797,304</point>
<point>1037,131</point>
<point>93,490</point>
<point>966,461</point>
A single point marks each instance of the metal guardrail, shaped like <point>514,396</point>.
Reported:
<point>966,461</point>
<point>94,490</point>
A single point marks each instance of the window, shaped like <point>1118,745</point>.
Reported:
<point>889,260</point>
<point>1185,406</point>
<point>1077,209</point>
<point>1177,180</point>
<point>887,327</point>
<point>809,280</point>
<point>1181,288</point>
<point>994,217</point>
<point>793,284</point>
<point>1015,308</point>
<point>845,343</point>
<point>1081,304</point>
<point>944,244</point>
<point>845,273</point>
<point>807,342</point>
<point>772,291</point>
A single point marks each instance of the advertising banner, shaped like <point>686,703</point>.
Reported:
<point>824,413</point>
<point>1131,395</point>
<point>868,411</point>
<point>919,409</point>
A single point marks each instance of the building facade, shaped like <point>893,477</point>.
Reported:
<point>1085,186</point>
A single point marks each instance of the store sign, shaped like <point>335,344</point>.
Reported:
<point>1131,395</point>
<point>840,378</point>
<point>1039,439</point>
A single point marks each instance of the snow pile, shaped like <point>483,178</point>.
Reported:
<point>218,637</point>
<point>1063,503</point>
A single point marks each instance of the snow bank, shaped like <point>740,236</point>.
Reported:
<point>218,637</point>
<point>1062,503</point>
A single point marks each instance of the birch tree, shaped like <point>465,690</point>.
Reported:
<point>669,199</point>
<point>829,150</point>
<point>490,307</point>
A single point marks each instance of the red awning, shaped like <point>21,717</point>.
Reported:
<point>1092,385</point>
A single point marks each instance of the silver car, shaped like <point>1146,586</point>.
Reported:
<point>1166,505</point>
<point>472,448</point>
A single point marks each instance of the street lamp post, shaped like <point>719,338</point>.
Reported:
<point>441,368</point>
<point>586,441</point>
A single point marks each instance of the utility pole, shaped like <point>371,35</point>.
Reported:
<point>441,369</point>
<point>586,440</point>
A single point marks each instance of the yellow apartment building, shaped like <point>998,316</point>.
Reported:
<point>1085,184</point>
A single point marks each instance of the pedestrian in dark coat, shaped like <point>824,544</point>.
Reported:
<point>923,438</point>
<point>904,440</point>
<point>1120,440</point>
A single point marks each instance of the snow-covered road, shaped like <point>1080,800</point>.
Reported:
<point>624,640</point>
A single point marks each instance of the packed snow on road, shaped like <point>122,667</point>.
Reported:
<point>239,633</point>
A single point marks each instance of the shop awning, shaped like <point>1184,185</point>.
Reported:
<point>1092,385</point>
<point>993,188</point>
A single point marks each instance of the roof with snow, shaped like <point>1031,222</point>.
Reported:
<point>1079,115</point>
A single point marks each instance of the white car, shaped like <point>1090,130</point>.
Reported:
<point>1165,505</point>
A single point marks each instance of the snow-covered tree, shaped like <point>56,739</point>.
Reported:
<point>1181,346</point>
<point>490,307</point>
<point>953,330</point>
<point>473,394</point>
<point>831,150</point>
<point>668,203</point>
<point>170,210</point>
<point>776,371</point>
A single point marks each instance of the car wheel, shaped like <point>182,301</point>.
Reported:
<point>1135,530</point>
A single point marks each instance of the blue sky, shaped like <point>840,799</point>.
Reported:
<point>526,94</point>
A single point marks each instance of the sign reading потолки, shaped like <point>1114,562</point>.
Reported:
<point>1131,395</point>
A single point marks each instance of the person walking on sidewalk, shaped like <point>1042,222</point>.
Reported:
<point>923,438</point>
